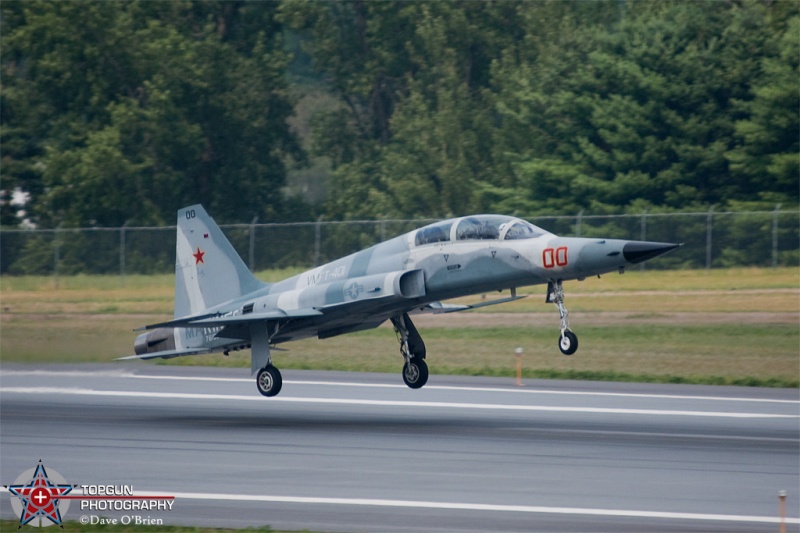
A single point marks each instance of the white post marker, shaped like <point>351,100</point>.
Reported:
<point>782,500</point>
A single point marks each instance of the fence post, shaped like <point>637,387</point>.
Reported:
<point>253,244</point>
<point>57,252</point>
<point>578,223</point>
<point>317,240</point>
<point>122,236</point>
<point>643,233</point>
<point>775,236</point>
<point>709,236</point>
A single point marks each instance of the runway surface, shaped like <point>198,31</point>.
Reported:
<point>361,452</point>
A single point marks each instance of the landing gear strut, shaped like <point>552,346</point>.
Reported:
<point>567,341</point>
<point>415,370</point>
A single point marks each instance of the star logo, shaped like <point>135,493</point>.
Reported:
<point>353,290</point>
<point>38,497</point>
<point>198,256</point>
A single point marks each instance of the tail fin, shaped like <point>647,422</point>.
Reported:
<point>208,271</point>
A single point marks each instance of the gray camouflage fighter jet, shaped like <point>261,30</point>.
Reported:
<point>221,307</point>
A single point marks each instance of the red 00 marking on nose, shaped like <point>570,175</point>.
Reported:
<point>553,257</point>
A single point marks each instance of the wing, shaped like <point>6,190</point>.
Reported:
<point>167,354</point>
<point>438,308</point>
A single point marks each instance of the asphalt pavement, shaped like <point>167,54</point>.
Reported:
<point>361,452</point>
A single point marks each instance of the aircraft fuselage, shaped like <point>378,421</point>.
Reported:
<point>404,273</point>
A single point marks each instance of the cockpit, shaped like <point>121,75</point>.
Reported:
<point>478,227</point>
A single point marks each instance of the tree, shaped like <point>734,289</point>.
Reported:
<point>141,107</point>
<point>440,150</point>
<point>639,111</point>
<point>359,48</point>
<point>765,163</point>
<point>408,137</point>
<point>122,112</point>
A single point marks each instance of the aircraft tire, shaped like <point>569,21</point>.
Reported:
<point>415,373</point>
<point>568,344</point>
<point>269,381</point>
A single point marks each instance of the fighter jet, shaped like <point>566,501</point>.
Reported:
<point>220,306</point>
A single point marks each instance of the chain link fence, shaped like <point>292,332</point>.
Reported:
<point>711,240</point>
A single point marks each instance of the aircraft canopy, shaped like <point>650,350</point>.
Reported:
<point>478,227</point>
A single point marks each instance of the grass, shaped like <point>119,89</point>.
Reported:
<point>712,354</point>
<point>743,289</point>
<point>89,319</point>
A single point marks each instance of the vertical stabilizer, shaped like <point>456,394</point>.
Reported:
<point>208,271</point>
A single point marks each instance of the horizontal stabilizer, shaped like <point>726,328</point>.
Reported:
<point>277,314</point>
<point>218,319</point>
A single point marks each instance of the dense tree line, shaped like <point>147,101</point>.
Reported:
<point>120,112</point>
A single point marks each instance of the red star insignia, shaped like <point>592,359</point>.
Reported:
<point>40,497</point>
<point>198,257</point>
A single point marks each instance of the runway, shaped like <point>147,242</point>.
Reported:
<point>361,452</point>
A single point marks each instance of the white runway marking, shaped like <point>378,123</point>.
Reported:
<point>480,507</point>
<point>130,375</point>
<point>383,403</point>
<point>367,502</point>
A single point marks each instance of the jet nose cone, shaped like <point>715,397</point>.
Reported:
<point>640,251</point>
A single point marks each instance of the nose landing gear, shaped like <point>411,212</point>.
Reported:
<point>567,341</point>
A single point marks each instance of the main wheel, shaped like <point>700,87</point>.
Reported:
<point>415,373</point>
<point>269,381</point>
<point>568,343</point>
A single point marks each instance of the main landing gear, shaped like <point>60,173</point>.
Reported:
<point>567,341</point>
<point>268,378</point>
<point>269,381</point>
<point>415,370</point>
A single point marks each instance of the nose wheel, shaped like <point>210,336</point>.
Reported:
<point>567,341</point>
